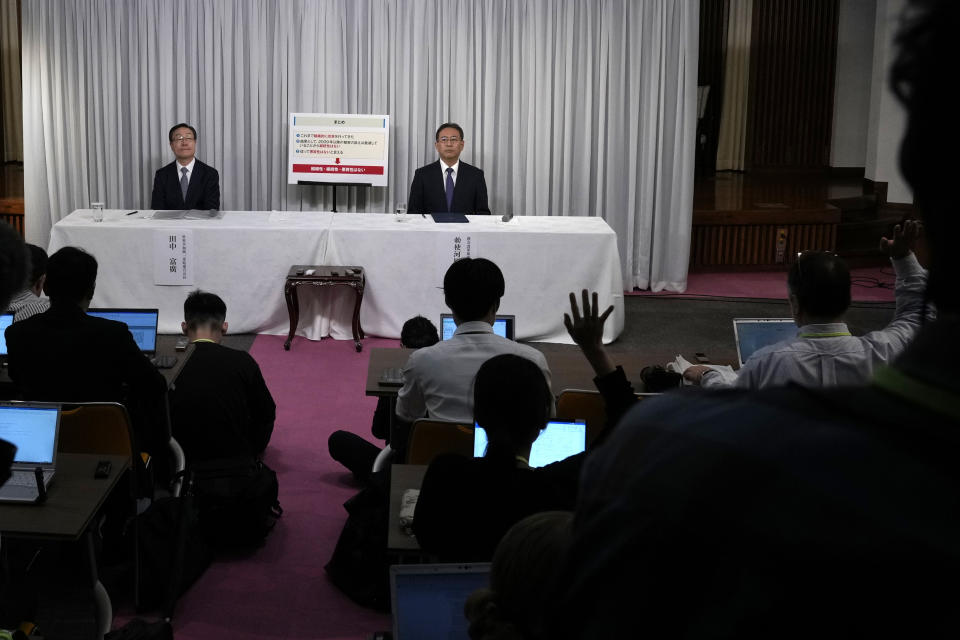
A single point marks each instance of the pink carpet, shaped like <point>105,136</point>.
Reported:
<point>873,284</point>
<point>281,591</point>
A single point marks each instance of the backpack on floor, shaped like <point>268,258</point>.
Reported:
<point>172,551</point>
<point>360,566</point>
<point>236,499</point>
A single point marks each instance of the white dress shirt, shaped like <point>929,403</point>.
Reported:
<point>443,171</point>
<point>827,355</point>
<point>189,168</point>
<point>438,380</point>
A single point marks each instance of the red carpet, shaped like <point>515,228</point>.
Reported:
<point>773,284</point>
<point>281,591</point>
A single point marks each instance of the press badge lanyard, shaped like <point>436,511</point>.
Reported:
<point>934,398</point>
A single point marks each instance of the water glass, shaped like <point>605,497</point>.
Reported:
<point>401,212</point>
<point>97,208</point>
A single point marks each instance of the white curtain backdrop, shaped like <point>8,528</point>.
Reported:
<point>580,107</point>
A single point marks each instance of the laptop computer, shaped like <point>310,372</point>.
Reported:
<point>503,326</point>
<point>558,441</point>
<point>6,319</point>
<point>34,429</point>
<point>141,322</point>
<point>428,599</point>
<point>755,333</point>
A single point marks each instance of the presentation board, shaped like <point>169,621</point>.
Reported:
<point>339,148</point>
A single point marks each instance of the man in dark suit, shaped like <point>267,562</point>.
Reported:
<point>448,184</point>
<point>220,405</point>
<point>185,183</point>
<point>64,355</point>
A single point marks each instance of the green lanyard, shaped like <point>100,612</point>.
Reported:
<point>899,383</point>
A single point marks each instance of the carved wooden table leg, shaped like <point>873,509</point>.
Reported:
<point>293,310</point>
<point>357,330</point>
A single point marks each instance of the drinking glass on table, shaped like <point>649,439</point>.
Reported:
<point>401,212</point>
<point>97,208</point>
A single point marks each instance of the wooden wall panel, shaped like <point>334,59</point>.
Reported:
<point>756,244</point>
<point>792,67</point>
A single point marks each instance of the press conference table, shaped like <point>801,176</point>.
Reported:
<point>245,256</point>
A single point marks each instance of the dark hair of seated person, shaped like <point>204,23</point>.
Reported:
<point>14,263</point>
<point>38,263</point>
<point>418,332</point>
<point>471,286</point>
<point>71,276</point>
<point>202,308</point>
<point>512,402</point>
<point>525,568</point>
<point>821,282</point>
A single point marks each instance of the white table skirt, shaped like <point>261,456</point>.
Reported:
<point>245,256</point>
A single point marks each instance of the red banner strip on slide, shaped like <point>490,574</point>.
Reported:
<point>336,168</point>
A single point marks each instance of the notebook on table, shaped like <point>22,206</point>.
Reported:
<point>503,326</point>
<point>755,333</point>
<point>427,599</point>
<point>34,429</point>
<point>558,441</point>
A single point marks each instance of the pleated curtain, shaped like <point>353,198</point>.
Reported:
<point>580,107</point>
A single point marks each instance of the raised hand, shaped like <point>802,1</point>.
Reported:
<point>587,330</point>
<point>903,239</point>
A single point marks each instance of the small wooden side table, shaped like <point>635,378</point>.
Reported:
<point>320,276</point>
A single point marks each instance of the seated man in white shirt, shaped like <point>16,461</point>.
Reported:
<point>438,380</point>
<point>824,353</point>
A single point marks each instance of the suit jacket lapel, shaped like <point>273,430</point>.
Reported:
<point>194,183</point>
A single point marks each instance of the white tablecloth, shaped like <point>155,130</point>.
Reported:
<point>245,256</point>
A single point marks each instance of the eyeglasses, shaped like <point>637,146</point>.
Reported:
<point>182,138</point>
<point>453,139</point>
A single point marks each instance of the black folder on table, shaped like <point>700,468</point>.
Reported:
<point>449,217</point>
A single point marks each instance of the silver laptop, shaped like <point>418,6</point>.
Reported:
<point>558,441</point>
<point>427,599</point>
<point>142,324</point>
<point>34,429</point>
<point>503,326</point>
<point>755,333</point>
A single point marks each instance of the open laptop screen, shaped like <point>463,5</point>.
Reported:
<point>32,429</point>
<point>755,333</point>
<point>503,326</point>
<point>141,322</point>
<point>428,599</point>
<point>558,441</point>
<point>6,319</point>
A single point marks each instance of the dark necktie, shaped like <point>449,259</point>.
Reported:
<point>183,183</point>
<point>449,187</point>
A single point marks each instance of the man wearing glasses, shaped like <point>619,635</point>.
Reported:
<point>448,185</point>
<point>185,183</point>
<point>824,353</point>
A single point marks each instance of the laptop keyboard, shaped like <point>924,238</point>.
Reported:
<point>163,362</point>
<point>23,479</point>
